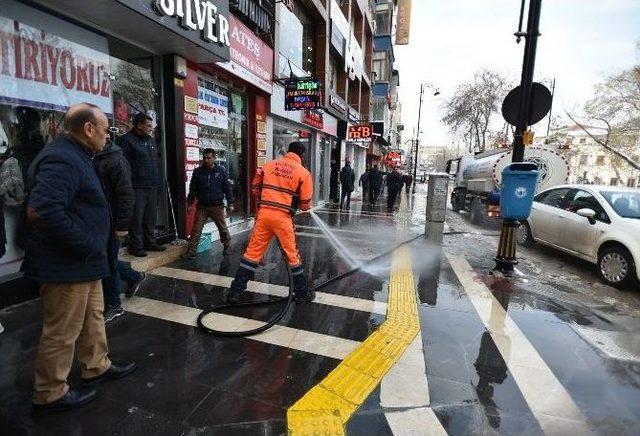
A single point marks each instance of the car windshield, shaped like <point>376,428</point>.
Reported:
<point>626,204</point>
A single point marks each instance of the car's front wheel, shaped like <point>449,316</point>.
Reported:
<point>616,266</point>
<point>523,235</point>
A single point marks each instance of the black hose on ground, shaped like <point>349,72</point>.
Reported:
<point>288,299</point>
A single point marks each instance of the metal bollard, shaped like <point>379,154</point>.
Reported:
<point>437,194</point>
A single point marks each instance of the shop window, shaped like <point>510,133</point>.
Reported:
<point>285,133</point>
<point>297,41</point>
<point>224,129</point>
<point>600,161</point>
<point>333,75</point>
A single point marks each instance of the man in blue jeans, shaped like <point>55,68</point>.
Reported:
<point>115,174</point>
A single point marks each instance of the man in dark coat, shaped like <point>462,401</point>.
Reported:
<point>408,180</point>
<point>141,151</point>
<point>347,183</point>
<point>210,186</point>
<point>375,184</point>
<point>394,185</point>
<point>67,254</point>
<point>364,182</point>
<point>115,173</point>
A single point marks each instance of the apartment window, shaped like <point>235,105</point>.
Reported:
<point>333,75</point>
<point>600,161</point>
<point>584,159</point>
<point>583,140</point>
<point>380,66</point>
<point>614,181</point>
<point>631,183</point>
<point>382,23</point>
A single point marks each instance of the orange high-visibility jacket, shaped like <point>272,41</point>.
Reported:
<point>283,184</point>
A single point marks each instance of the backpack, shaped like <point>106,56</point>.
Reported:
<point>12,187</point>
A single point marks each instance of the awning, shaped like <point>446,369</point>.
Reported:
<point>137,22</point>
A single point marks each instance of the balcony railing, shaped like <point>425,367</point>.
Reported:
<point>259,13</point>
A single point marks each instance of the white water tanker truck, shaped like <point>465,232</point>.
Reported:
<point>477,179</point>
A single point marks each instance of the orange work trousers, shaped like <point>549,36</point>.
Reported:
<point>270,223</point>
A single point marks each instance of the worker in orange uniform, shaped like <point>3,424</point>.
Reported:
<point>281,186</point>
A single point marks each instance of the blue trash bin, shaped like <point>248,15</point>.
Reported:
<point>519,182</point>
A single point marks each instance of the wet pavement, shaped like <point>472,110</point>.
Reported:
<point>549,351</point>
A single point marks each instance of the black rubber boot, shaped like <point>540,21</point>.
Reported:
<point>300,286</point>
<point>239,284</point>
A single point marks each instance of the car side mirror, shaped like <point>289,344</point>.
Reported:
<point>589,214</point>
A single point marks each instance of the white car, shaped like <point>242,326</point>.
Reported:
<point>600,224</point>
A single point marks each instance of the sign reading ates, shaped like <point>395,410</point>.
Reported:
<point>302,94</point>
<point>360,133</point>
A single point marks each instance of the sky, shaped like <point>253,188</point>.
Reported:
<point>581,42</point>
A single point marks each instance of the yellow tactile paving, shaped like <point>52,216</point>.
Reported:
<point>328,406</point>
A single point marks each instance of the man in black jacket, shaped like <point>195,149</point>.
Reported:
<point>142,153</point>
<point>347,183</point>
<point>375,184</point>
<point>394,183</point>
<point>115,173</point>
<point>210,186</point>
<point>67,254</point>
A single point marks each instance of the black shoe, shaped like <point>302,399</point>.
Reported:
<point>138,253</point>
<point>225,250</point>
<point>155,247</point>
<point>73,398</point>
<point>187,256</point>
<point>306,297</point>
<point>111,313</point>
<point>115,371</point>
<point>134,287</point>
<point>233,297</point>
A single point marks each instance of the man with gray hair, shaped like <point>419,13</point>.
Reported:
<point>67,254</point>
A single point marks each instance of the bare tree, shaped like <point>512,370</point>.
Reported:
<point>616,106</point>
<point>470,110</point>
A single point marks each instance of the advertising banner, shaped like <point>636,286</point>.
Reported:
<point>42,70</point>
<point>213,109</point>
<point>403,22</point>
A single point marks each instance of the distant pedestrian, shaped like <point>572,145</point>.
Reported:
<point>364,182</point>
<point>394,185</point>
<point>115,173</point>
<point>347,183</point>
<point>210,186</point>
<point>141,151</point>
<point>408,180</point>
<point>67,253</point>
<point>375,184</point>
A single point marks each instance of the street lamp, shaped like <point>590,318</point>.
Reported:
<point>415,155</point>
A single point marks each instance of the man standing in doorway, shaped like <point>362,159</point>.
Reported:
<point>141,151</point>
<point>281,186</point>
<point>210,186</point>
<point>347,183</point>
<point>67,253</point>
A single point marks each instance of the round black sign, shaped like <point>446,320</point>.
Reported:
<point>540,104</point>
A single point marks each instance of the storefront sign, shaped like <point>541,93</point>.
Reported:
<point>313,119</point>
<point>302,94</point>
<point>392,159</point>
<point>359,133</point>
<point>203,22</point>
<point>251,59</point>
<point>193,154</point>
<point>403,21</point>
<point>354,115</point>
<point>338,103</point>
<point>190,131</point>
<point>212,108</point>
<point>43,70</point>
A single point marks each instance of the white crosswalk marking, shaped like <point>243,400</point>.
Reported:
<point>302,340</point>
<point>549,401</point>
<point>274,290</point>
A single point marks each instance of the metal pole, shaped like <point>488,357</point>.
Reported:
<point>506,257</point>
<point>415,157</point>
<point>553,91</point>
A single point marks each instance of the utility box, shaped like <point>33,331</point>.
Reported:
<point>437,194</point>
<point>519,181</point>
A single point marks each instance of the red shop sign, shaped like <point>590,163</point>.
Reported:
<point>313,119</point>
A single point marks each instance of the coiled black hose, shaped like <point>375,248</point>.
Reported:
<point>288,299</point>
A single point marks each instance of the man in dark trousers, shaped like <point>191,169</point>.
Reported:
<point>408,180</point>
<point>142,153</point>
<point>210,186</point>
<point>364,182</point>
<point>115,173</point>
<point>394,185</point>
<point>347,183</point>
<point>67,254</point>
<point>375,184</point>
